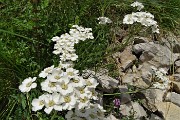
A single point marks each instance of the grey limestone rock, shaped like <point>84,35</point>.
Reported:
<point>108,83</point>
<point>174,98</point>
<point>155,117</point>
<point>169,110</point>
<point>125,97</point>
<point>139,111</point>
<point>138,40</point>
<point>177,63</point>
<point>125,58</point>
<point>111,117</point>
<point>155,54</point>
<point>176,86</point>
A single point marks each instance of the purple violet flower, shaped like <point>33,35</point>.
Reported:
<point>117,102</point>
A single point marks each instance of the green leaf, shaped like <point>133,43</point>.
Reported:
<point>23,101</point>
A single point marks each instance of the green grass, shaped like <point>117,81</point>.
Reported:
<point>26,29</point>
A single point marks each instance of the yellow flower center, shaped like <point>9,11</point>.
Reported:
<point>81,90</point>
<point>41,102</point>
<point>88,83</point>
<point>75,81</point>
<point>67,99</point>
<point>51,84</point>
<point>93,93</point>
<point>83,100</point>
<point>92,116</point>
<point>64,86</point>
<point>51,103</point>
<point>70,73</point>
<point>82,110</point>
<point>57,77</point>
<point>29,84</point>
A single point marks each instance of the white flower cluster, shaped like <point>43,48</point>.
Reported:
<point>161,80</point>
<point>65,43</point>
<point>104,20</point>
<point>94,112</point>
<point>138,5</point>
<point>65,88</point>
<point>145,18</point>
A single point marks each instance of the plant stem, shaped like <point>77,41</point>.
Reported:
<point>129,92</point>
<point>27,97</point>
<point>55,112</point>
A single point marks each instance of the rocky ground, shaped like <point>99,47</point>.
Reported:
<point>134,65</point>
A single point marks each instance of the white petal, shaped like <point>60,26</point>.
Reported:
<point>34,109</point>
<point>27,80</point>
<point>34,85</point>
<point>34,78</point>
<point>58,107</point>
<point>48,110</point>
<point>23,88</point>
<point>65,106</point>
<point>35,102</point>
<point>56,98</point>
<point>43,74</point>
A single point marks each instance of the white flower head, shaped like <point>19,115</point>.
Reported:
<point>65,87</point>
<point>129,19</point>
<point>68,101</point>
<point>46,71</point>
<point>49,86</point>
<point>52,102</point>
<point>91,83</point>
<point>65,64</point>
<point>78,81</point>
<point>55,38</point>
<point>28,84</point>
<point>72,57</point>
<point>70,114</point>
<point>162,81</point>
<point>83,91</point>
<point>138,5</point>
<point>81,112</point>
<point>55,75</point>
<point>83,101</point>
<point>38,104</point>
<point>72,72</point>
<point>104,20</point>
<point>93,93</point>
<point>155,28</point>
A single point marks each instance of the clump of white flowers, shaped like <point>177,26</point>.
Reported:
<point>161,81</point>
<point>138,5</point>
<point>104,20</point>
<point>145,18</point>
<point>64,88</point>
<point>65,43</point>
<point>93,112</point>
